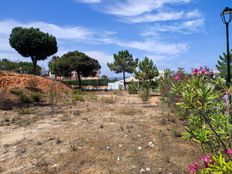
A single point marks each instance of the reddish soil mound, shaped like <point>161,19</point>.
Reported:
<point>9,80</point>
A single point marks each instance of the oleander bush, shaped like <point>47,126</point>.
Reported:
<point>202,100</point>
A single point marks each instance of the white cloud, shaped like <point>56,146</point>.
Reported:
<point>160,16</point>
<point>185,27</point>
<point>194,14</point>
<point>138,7</point>
<point>156,47</point>
<point>61,32</point>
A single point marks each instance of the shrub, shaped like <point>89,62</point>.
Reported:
<point>144,94</point>
<point>16,91</point>
<point>36,97</point>
<point>25,99</point>
<point>133,88</point>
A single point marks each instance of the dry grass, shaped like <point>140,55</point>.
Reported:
<point>126,110</point>
<point>108,99</point>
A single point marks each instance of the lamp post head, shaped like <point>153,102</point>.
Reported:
<point>226,15</point>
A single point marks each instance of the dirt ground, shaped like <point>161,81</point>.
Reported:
<point>108,133</point>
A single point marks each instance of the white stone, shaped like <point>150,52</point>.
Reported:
<point>119,145</point>
<point>142,170</point>
<point>107,148</point>
<point>139,135</point>
<point>54,166</point>
<point>148,169</point>
<point>118,159</point>
<point>139,148</point>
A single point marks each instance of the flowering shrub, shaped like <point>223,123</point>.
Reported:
<point>199,98</point>
<point>212,164</point>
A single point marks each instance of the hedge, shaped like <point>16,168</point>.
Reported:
<point>97,82</point>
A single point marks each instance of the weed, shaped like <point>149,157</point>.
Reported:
<point>176,133</point>
<point>32,85</point>
<point>25,110</point>
<point>78,97</point>
<point>54,96</point>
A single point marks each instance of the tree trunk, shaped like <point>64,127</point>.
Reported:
<point>34,61</point>
<point>124,79</point>
<point>79,79</point>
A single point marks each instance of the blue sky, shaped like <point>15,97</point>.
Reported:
<point>174,33</point>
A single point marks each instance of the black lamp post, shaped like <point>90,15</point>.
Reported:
<point>226,16</point>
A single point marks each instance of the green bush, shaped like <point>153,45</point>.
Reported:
<point>133,88</point>
<point>36,97</point>
<point>16,91</point>
<point>21,96</point>
<point>25,99</point>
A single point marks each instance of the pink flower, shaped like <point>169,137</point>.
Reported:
<point>193,167</point>
<point>206,159</point>
<point>195,72</point>
<point>177,78</point>
<point>229,152</point>
<point>202,72</point>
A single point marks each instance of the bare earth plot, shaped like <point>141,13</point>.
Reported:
<point>107,134</point>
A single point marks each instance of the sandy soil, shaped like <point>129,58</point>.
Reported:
<point>107,134</point>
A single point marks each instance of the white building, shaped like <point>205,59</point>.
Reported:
<point>120,84</point>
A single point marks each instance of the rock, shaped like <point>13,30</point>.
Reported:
<point>126,136</point>
<point>118,159</point>
<point>142,170</point>
<point>119,145</point>
<point>148,169</point>
<point>107,148</point>
<point>139,135</point>
<point>101,126</point>
<point>139,148</point>
<point>151,144</point>
<point>54,166</point>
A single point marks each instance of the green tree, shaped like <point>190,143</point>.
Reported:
<point>31,42</point>
<point>222,65</point>
<point>104,77</point>
<point>28,68</point>
<point>123,62</point>
<point>7,65</point>
<point>20,67</point>
<point>147,70</point>
<point>74,61</point>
